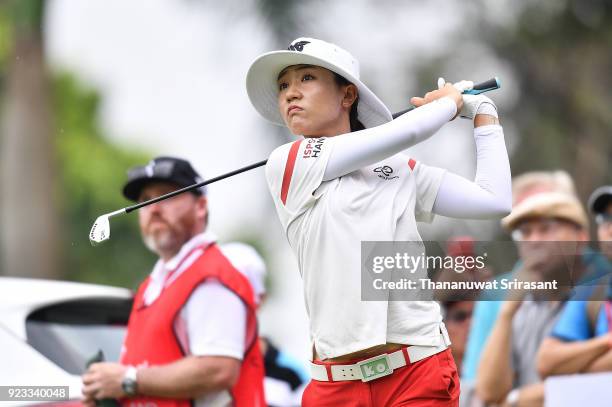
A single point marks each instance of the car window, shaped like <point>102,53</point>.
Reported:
<point>71,333</point>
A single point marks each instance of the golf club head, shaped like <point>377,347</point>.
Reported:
<point>100,231</point>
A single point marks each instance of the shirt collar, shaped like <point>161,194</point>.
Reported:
<point>162,268</point>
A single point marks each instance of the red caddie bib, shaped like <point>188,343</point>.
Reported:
<point>151,339</point>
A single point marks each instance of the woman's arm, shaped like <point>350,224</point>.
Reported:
<point>361,148</point>
<point>490,194</point>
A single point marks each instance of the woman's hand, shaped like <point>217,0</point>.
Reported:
<point>447,90</point>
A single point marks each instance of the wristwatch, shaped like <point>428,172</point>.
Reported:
<point>129,384</point>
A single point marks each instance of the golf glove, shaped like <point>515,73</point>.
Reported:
<point>472,104</point>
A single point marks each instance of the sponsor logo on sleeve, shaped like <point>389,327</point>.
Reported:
<point>313,147</point>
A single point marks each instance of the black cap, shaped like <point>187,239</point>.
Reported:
<point>162,169</point>
<point>600,198</point>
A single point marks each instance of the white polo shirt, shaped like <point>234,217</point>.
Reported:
<point>325,222</point>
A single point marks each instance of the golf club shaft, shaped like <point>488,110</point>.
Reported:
<point>194,186</point>
<point>486,86</point>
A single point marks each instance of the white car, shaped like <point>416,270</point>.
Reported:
<point>50,329</point>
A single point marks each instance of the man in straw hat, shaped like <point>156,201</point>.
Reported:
<point>581,340</point>
<point>486,310</point>
<point>551,232</point>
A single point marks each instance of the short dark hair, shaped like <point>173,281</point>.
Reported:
<point>353,119</point>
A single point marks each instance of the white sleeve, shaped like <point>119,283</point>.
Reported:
<point>215,319</point>
<point>294,172</point>
<point>490,195</point>
<point>365,147</point>
<point>427,180</point>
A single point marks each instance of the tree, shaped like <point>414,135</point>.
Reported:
<point>58,172</point>
<point>561,53</point>
<point>91,174</point>
<point>29,216</point>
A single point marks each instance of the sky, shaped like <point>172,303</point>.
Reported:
<point>172,79</point>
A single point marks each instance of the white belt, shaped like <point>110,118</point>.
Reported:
<point>378,366</point>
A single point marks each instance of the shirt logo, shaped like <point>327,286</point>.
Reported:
<point>385,172</point>
<point>313,148</point>
<point>298,46</point>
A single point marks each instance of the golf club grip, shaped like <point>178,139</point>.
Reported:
<point>478,88</point>
<point>195,186</point>
<point>485,86</point>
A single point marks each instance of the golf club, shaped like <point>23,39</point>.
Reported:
<point>100,231</point>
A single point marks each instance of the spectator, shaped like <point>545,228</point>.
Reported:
<point>507,371</point>
<point>192,334</point>
<point>486,311</point>
<point>600,204</point>
<point>285,376</point>
<point>457,306</point>
<point>581,340</point>
<point>248,261</point>
<point>457,317</point>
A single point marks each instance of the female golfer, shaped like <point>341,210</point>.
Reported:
<point>346,180</point>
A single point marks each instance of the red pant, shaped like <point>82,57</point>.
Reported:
<point>431,382</point>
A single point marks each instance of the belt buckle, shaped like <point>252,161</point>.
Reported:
<point>375,367</point>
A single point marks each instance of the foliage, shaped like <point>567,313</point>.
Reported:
<point>5,39</point>
<point>561,53</point>
<point>93,172</point>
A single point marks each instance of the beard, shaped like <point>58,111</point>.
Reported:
<point>159,242</point>
<point>165,234</point>
<point>163,240</point>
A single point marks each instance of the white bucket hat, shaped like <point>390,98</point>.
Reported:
<point>262,79</point>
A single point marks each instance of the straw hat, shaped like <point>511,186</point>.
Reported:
<point>547,205</point>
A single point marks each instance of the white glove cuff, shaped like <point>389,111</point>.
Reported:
<point>487,108</point>
<point>472,105</point>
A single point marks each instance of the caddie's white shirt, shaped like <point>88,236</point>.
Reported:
<point>325,222</point>
<point>202,326</point>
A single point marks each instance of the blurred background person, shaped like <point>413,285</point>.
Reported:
<point>486,311</point>
<point>540,225</point>
<point>285,376</point>
<point>458,306</point>
<point>192,334</point>
<point>600,203</point>
<point>581,341</point>
<point>457,316</point>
